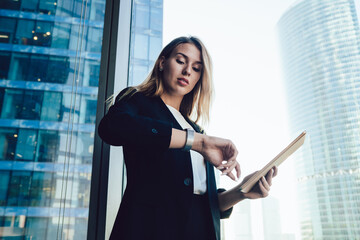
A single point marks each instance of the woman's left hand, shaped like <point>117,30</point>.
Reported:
<point>262,188</point>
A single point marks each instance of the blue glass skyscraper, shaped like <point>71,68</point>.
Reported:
<point>50,55</point>
<point>321,59</point>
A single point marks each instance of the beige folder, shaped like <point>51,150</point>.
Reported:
<point>281,157</point>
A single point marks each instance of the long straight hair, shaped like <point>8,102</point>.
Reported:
<point>196,104</point>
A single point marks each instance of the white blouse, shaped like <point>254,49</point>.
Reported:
<point>197,160</point>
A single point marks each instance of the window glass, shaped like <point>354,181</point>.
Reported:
<point>42,189</point>
<point>156,18</point>
<point>25,31</point>
<point>97,10</point>
<point>155,48</point>
<point>87,115</point>
<point>85,148</point>
<point>95,36</point>
<point>8,140</point>
<point>29,5</point>
<point>61,74</point>
<point>47,6</point>
<point>37,68</point>
<point>91,73</point>
<point>48,146</point>
<point>4,178</point>
<point>142,46</point>
<point>47,112</point>
<point>5,64</point>
<point>10,4</point>
<point>12,106</point>
<point>31,106</point>
<point>26,145</point>
<point>43,34</point>
<point>142,16</point>
<point>52,106</point>
<point>139,73</point>
<point>19,66</point>
<point>36,228</point>
<point>65,8</point>
<point>7,29</point>
<point>60,35</point>
<point>19,188</point>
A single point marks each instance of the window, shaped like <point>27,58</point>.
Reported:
<point>26,145</point>
<point>8,140</point>
<point>7,29</point>
<point>19,188</point>
<point>12,104</point>
<point>4,67</point>
<point>4,179</point>
<point>48,146</point>
<point>25,32</point>
<point>52,106</point>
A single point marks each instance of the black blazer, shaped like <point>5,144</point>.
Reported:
<point>159,180</point>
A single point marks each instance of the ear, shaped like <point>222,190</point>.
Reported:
<point>162,62</point>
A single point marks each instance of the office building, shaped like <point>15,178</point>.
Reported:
<point>50,54</point>
<point>321,60</point>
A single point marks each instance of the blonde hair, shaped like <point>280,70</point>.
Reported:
<point>196,104</point>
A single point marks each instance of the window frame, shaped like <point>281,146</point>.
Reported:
<point>114,65</point>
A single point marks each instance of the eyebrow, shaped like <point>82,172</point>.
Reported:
<point>198,62</point>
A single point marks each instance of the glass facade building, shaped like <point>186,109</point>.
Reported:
<point>50,54</point>
<point>146,38</point>
<point>321,59</point>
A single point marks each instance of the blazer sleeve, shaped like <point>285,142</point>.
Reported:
<point>226,214</point>
<point>123,125</point>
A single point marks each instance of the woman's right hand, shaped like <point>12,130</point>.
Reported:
<point>219,152</point>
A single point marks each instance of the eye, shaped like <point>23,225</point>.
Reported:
<point>196,69</point>
<point>179,61</point>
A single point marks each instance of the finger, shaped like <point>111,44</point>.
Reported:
<point>238,170</point>
<point>264,192</point>
<point>221,167</point>
<point>265,183</point>
<point>275,171</point>
<point>229,169</point>
<point>230,175</point>
<point>269,176</point>
<point>229,164</point>
<point>230,152</point>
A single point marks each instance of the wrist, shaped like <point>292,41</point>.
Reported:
<point>190,137</point>
<point>198,144</point>
<point>241,195</point>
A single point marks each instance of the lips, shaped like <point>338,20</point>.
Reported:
<point>183,81</point>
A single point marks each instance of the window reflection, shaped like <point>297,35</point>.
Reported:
<point>26,145</point>
<point>12,104</point>
<point>19,188</point>
<point>142,45</point>
<point>8,139</point>
<point>19,66</point>
<point>52,110</point>
<point>48,146</point>
<point>4,179</point>
<point>60,35</point>
<point>7,28</point>
<point>25,32</point>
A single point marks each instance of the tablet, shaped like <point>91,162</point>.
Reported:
<point>284,154</point>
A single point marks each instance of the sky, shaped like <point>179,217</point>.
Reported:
<point>250,99</point>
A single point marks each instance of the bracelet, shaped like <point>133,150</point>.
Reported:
<point>190,134</point>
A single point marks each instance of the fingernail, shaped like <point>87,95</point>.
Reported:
<point>220,167</point>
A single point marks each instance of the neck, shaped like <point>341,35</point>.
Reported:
<point>172,101</point>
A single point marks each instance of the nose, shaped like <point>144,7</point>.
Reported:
<point>187,70</point>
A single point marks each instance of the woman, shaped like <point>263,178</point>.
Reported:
<point>171,191</point>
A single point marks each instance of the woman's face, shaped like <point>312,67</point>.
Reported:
<point>182,70</point>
